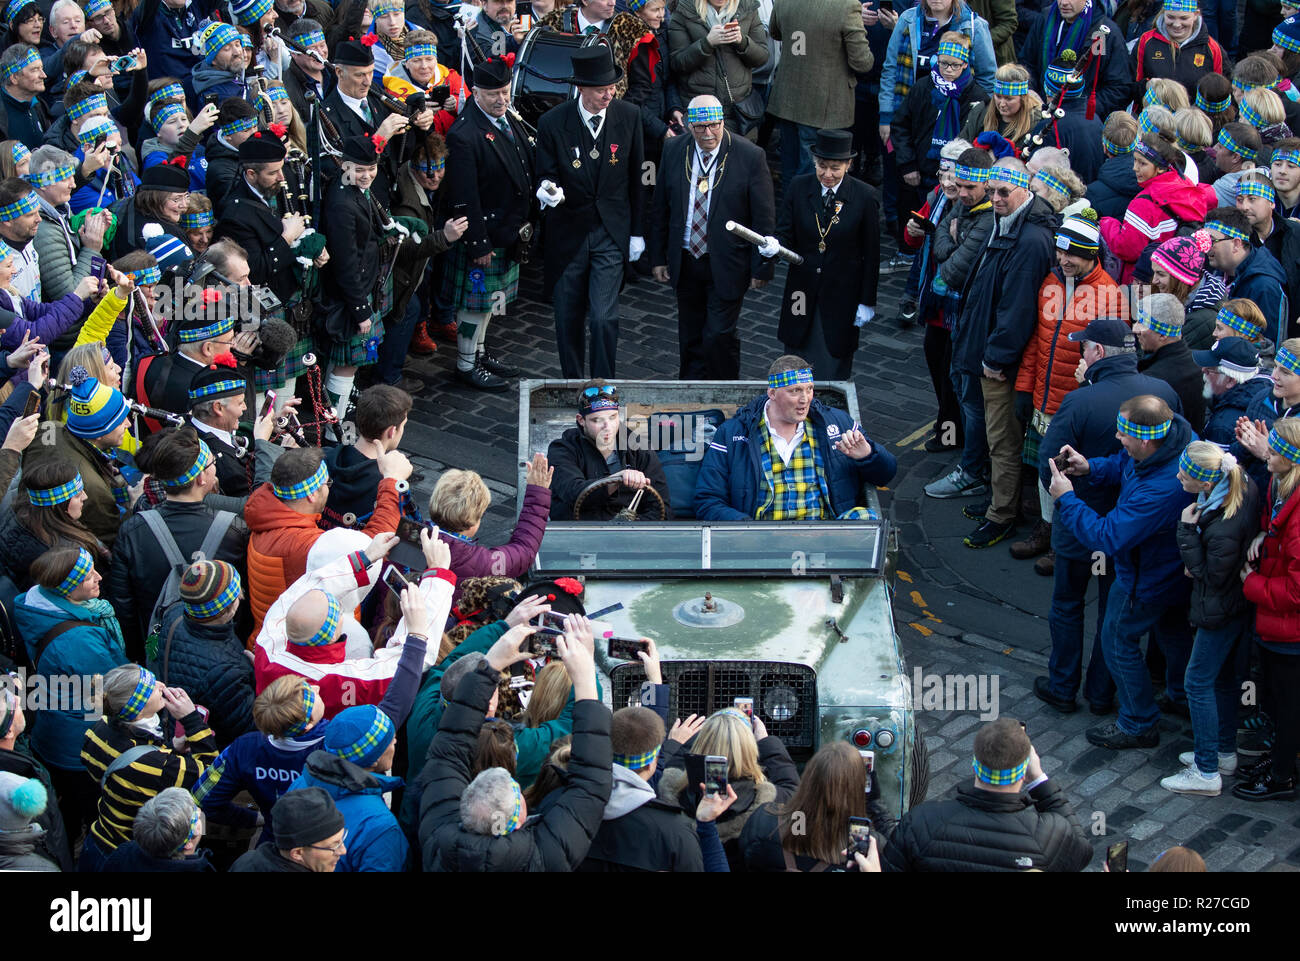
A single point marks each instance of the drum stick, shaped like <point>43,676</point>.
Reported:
<point>745,234</point>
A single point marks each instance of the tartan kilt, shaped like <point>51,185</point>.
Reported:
<point>1029,452</point>
<point>292,365</point>
<point>500,276</point>
<point>352,352</point>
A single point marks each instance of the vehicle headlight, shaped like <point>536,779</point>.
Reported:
<point>780,704</point>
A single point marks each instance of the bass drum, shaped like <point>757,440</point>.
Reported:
<point>542,66</point>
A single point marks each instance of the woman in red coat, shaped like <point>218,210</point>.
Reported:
<point>1271,581</point>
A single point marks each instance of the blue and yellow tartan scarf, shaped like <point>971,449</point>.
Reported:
<point>1074,36</point>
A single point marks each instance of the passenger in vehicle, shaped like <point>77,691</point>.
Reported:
<point>597,448</point>
<point>788,457</point>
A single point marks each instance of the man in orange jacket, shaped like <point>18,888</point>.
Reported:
<point>283,520</point>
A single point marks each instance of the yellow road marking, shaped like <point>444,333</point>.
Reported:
<point>921,629</point>
<point>919,432</point>
<point>904,576</point>
<point>917,599</point>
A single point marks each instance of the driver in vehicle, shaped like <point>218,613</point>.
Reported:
<point>787,457</point>
<point>591,451</point>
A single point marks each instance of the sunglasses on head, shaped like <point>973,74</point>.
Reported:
<point>606,390</point>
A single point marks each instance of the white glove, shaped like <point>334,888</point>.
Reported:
<point>549,194</point>
<point>770,246</point>
<point>864,315</point>
<point>636,248</point>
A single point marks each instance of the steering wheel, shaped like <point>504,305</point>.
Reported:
<point>629,513</point>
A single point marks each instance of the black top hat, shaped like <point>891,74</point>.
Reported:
<point>492,74</point>
<point>261,148</point>
<point>833,145</point>
<point>361,150</point>
<point>594,67</point>
<point>170,178</point>
<point>351,53</point>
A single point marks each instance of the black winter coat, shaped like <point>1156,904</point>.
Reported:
<point>760,842</point>
<point>1115,187</point>
<point>1155,56</point>
<point>18,548</point>
<point>133,859</point>
<point>222,173</point>
<point>1111,82</point>
<point>914,122</point>
<point>266,859</point>
<point>53,843</point>
<point>351,222</point>
<point>247,220</point>
<point>1284,244</point>
<point>1080,136</point>
<point>1173,364</point>
<point>1213,549</point>
<point>652,837</point>
<point>1222,411</point>
<point>209,663</point>
<point>987,831</point>
<point>577,463</point>
<point>555,841</point>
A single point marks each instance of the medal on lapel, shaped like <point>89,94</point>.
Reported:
<point>594,153</point>
<point>613,149</point>
<point>576,162</point>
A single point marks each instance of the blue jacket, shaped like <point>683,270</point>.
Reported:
<point>1261,278</point>
<point>1080,136</point>
<point>1115,186</point>
<point>894,85</point>
<point>164,34</point>
<point>81,651</point>
<point>1086,421</point>
<point>1138,536</point>
<point>1267,408</point>
<point>1222,411</point>
<point>375,842</point>
<point>731,475</point>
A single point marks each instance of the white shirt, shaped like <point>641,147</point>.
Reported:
<point>586,120</point>
<point>355,104</point>
<point>224,436</point>
<point>584,23</point>
<point>706,165</point>
<point>784,448</point>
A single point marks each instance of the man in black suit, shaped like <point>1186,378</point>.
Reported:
<point>833,221</point>
<point>163,380</point>
<point>490,163</point>
<point>217,402</point>
<point>705,180</point>
<point>589,154</point>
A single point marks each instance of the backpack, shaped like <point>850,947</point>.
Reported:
<point>171,590</point>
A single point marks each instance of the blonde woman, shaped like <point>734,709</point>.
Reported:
<point>1061,188</point>
<point>758,768</point>
<point>550,697</point>
<point>1014,111</point>
<point>1214,534</point>
<point>1263,110</point>
<point>94,358</point>
<point>1163,92</point>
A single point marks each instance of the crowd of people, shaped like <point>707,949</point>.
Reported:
<point>223,230</point>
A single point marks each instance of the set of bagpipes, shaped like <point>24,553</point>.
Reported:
<point>1050,112</point>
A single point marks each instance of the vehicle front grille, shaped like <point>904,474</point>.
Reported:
<point>785,695</point>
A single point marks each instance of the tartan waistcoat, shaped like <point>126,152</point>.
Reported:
<point>794,491</point>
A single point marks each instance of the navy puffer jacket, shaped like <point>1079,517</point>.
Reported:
<point>209,663</point>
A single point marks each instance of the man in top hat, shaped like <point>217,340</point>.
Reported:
<point>589,154</point>
<point>163,380</point>
<point>490,165</point>
<point>833,221</point>
<point>705,180</point>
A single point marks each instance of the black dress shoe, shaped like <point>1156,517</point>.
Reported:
<point>481,378</point>
<point>1264,788</point>
<point>1113,737</point>
<point>1043,691</point>
<point>1255,769</point>
<point>495,366</point>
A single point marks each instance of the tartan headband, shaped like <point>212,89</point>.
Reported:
<point>1288,156</point>
<point>1011,88</point>
<point>637,762</point>
<point>304,488</point>
<point>1279,445</point>
<point>1161,327</point>
<point>18,66</point>
<point>1212,106</point>
<point>20,152</point>
<point>15,7</point>
<point>1237,323</point>
<point>1247,87</point>
<point>309,39</point>
<point>210,609</point>
<point>382,7</point>
<point>1146,124</point>
<point>88,134</point>
<point>997,776</point>
<point>270,95</point>
<point>329,627</point>
<point>80,571</point>
<point>166,112</point>
<point>1184,146</point>
<point>196,221</point>
<point>144,687</point>
<point>146,276</point>
<point>217,387</point>
<point>5,251</point>
<point>53,496</point>
<point>1233,232</point>
<point>79,109</point>
<point>512,823</point>
<point>246,41</point>
<point>1112,149</point>
<point>1151,98</point>
<point>1250,115</point>
<point>94,8</point>
<point>1141,431</point>
<point>1252,188</point>
<point>1209,475</point>
<point>975,175</point>
<point>201,463</point>
<point>1009,175</point>
<point>173,91</point>
<point>420,50</point>
<point>1046,178</point>
<point>1227,143</point>
<point>703,114</point>
<point>1181,6</point>
<point>788,378</point>
<point>431,166</point>
<point>381,730</point>
<point>600,403</point>
<point>194,334</point>
<point>19,208</point>
<point>1150,153</point>
<point>239,126</point>
<point>957,51</point>
<point>196,821</point>
<point>308,709</point>
<point>1287,361</point>
<point>52,176</point>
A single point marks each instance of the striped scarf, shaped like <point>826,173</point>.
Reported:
<point>946,97</point>
<point>1073,37</point>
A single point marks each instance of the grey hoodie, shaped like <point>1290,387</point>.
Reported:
<point>627,794</point>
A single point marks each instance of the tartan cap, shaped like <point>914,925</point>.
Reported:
<point>80,571</point>
<point>144,687</point>
<point>200,328</point>
<point>1280,445</point>
<point>53,496</point>
<point>359,734</point>
<point>1142,431</point>
<point>19,208</point>
<point>95,409</point>
<point>202,461</point>
<point>15,7</point>
<point>208,588</point>
<point>212,38</point>
<point>1287,34</point>
<point>249,12</point>
<point>310,38</point>
<point>216,381</point>
<point>304,488</point>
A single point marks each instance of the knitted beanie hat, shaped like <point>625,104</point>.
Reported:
<point>1183,258</point>
<point>1078,234</point>
<point>208,588</point>
<point>359,734</point>
<point>94,409</point>
<point>22,800</point>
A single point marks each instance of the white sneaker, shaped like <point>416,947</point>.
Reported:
<point>1227,762</point>
<point>1191,781</point>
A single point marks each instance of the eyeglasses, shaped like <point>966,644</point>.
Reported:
<point>338,848</point>
<point>714,125</point>
<point>1002,191</point>
<point>951,65</point>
